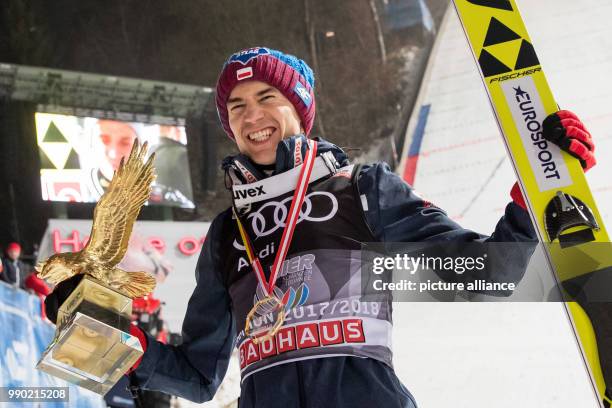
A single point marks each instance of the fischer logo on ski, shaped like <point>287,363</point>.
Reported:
<point>503,51</point>
<point>500,4</point>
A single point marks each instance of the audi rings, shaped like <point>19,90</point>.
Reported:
<point>281,209</point>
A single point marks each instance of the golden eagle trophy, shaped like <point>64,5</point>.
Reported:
<point>92,346</point>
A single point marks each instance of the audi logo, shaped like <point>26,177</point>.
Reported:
<point>280,210</point>
<point>328,204</point>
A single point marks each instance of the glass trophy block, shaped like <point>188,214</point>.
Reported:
<point>92,346</point>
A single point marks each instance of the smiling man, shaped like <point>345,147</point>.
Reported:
<point>260,117</point>
<point>279,273</point>
<point>324,354</point>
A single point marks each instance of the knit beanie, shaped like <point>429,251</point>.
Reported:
<point>13,246</point>
<point>289,74</point>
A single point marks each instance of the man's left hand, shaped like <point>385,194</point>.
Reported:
<point>564,129</point>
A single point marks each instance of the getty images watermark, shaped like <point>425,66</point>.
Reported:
<point>413,264</point>
<point>473,271</point>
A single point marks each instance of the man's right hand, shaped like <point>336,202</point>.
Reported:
<point>60,293</point>
<point>63,290</point>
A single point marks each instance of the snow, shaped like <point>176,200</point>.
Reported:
<point>502,354</point>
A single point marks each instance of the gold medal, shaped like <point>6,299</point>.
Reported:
<point>269,304</point>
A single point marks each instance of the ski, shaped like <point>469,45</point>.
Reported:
<point>558,197</point>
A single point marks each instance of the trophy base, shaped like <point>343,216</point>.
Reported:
<point>90,354</point>
<point>92,347</point>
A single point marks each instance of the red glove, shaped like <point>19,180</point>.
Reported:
<point>567,131</point>
<point>517,196</point>
<point>136,331</point>
<point>564,129</point>
<point>36,284</point>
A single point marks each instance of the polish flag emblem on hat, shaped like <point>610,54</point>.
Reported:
<point>244,73</point>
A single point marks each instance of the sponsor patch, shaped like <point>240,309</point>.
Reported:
<point>303,93</point>
<point>278,185</point>
<point>245,56</point>
<point>297,153</point>
<point>504,51</point>
<point>249,192</point>
<point>303,336</point>
<point>244,73</point>
<point>528,113</point>
<point>246,173</point>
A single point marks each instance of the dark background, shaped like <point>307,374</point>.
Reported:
<point>367,75</point>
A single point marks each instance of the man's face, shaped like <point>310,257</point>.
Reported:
<point>118,138</point>
<point>260,117</point>
<point>14,253</point>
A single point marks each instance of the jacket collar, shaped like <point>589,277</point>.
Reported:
<point>290,152</point>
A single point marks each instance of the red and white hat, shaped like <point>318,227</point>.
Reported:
<point>289,74</point>
<point>13,246</point>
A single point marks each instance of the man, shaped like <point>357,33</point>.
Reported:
<point>172,183</point>
<point>118,138</point>
<point>290,246</point>
<point>171,187</point>
<point>14,270</point>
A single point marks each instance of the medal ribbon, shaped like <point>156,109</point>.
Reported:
<point>294,211</point>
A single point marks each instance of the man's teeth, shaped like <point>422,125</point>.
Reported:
<point>261,135</point>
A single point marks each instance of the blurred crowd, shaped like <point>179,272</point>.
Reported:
<point>17,270</point>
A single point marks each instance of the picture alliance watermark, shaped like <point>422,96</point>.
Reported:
<point>441,271</point>
<point>433,286</point>
<point>477,271</point>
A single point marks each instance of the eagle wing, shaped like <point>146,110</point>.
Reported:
<point>118,208</point>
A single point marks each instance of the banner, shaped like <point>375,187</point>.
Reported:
<point>78,156</point>
<point>25,337</point>
<point>167,250</point>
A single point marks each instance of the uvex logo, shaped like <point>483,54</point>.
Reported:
<point>249,192</point>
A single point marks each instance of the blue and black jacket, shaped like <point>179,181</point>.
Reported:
<point>195,369</point>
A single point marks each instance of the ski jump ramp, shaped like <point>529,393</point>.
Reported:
<point>499,354</point>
